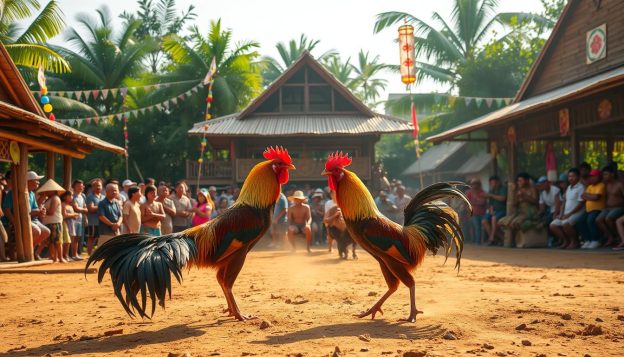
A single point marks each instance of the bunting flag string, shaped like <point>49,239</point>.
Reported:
<point>135,112</point>
<point>490,102</point>
<point>105,93</point>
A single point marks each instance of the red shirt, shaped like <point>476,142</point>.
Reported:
<point>478,200</point>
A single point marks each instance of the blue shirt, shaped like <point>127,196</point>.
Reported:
<point>280,206</point>
<point>110,210</point>
<point>93,217</point>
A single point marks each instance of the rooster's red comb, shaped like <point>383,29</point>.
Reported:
<point>278,153</point>
<point>336,160</point>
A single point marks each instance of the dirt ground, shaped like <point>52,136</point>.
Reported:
<point>503,302</point>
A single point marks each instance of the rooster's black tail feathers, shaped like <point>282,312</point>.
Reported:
<point>437,221</point>
<point>143,263</point>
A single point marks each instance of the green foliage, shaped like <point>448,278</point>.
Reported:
<point>26,44</point>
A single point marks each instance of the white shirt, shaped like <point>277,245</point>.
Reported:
<point>329,205</point>
<point>548,198</point>
<point>573,197</point>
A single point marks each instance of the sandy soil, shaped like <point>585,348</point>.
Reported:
<point>503,302</point>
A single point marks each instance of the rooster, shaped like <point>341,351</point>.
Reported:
<point>143,264</point>
<point>399,249</point>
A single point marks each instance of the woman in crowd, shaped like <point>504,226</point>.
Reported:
<point>203,208</point>
<point>152,213</point>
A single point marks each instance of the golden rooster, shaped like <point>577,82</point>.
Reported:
<point>398,249</point>
<point>143,263</point>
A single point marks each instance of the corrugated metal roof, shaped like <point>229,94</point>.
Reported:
<point>532,104</point>
<point>475,164</point>
<point>431,159</point>
<point>304,124</point>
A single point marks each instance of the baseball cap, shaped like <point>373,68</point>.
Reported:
<point>127,182</point>
<point>212,188</point>
<point>563,177</point>
<point>595,172</point>
<point>31,175</point>
<point>542,179</point>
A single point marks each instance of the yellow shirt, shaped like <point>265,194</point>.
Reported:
<point>597,189</point>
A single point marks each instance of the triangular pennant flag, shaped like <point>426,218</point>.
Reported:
<point>118,116</point>
<point>104,94</point>
<point>62,121</point>
<point>78,95</point>
<point>174,100</point>
<point>159,106</point>
<point>142,110</point>
<point>166,104</point>
<point>499,102</point>
<point>87,94</point>
<point>507,101</point>
<point>96,93</point>
<point>111,119</point>
<point>478,101</point>
<point>181,97</point>
<point>88,120</point>
<point>72,122</point>
<point>451,100</point>
<point>70,95</point>
<point>114,92</point>
<point>96,120</point>
<point>489,101</point>
<point>195,89</point>
<point>123,91</point>
<point>467,101</point>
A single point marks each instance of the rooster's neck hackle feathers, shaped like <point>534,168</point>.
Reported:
<point>354,199</point>
<point>261,188</point>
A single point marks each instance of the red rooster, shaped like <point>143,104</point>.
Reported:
<point>143,263</point>
<point>398,249</point>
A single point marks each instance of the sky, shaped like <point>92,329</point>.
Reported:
<point>343,25</point>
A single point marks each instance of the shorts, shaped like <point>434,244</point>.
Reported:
<point>65,237</point>
<point>300,228</point>
<point>93,231</point>
<point>152,231</point>
<point>56,234</point>
<point>498,215</point>
<point>572,220</point>
<point>611,213</point>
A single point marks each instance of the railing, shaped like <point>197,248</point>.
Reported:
<point>307,169</point>
<point>209,169</point>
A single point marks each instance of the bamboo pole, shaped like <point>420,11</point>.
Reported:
<point>17,226</point>
<point>24,203</point>
<point>67,172</point>
<point>50,169</point>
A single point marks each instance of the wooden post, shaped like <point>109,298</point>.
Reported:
<point>27,240</point>
<point>67,172</point>
<point>574,149</point>
<point>17,226</point>
<point>511,162</point>
<point>50,165</point>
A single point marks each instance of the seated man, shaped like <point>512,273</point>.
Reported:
<point>299,219</point>
<point>595,203</point>
<point>496,208</point>
<point>572,210</point>
<point>549,201</point>
<point>525,202</point>
<point>615,205</point>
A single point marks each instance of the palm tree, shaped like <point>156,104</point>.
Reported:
<point>157,20</point>
<point>238,78</point>
<point>366,69</point>
<point>289,54</point>
<point>27,45</point>
<point>448,46</point>
<point>343,71</point>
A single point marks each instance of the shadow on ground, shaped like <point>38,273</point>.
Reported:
<point>115,343</point>
<point>377,329</point>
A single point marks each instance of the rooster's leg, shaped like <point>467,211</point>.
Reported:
<point>221,280</point>
<point>413,310</point>
<point>234,267</point>
<point>393,285</point>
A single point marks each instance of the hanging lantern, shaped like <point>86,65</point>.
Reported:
<point>47,108</point>
<point>408,58</point>
<point>45,99</point>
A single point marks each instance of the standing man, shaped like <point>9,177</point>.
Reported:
<point>93,220</point>
<point>401,201</point>
<point>496,208</point>
<point>126,184</point>
<point>280,221</point>
<point>183,208</point>
<point>299,219</point>
<point>132,211</point>
<point>109,214</point>
<point>170,210</point>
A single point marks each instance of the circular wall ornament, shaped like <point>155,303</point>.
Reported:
<point>605,108</point>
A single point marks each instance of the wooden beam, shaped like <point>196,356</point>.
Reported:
<point>67,172</point>
<point>37,144</point>
<point>50,166</point>
<point>24,203</point>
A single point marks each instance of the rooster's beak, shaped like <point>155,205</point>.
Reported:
<point>325,173</point>
<point>291,167</point>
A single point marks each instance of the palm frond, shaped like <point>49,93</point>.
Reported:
<point>34,55</point>
<point>46,25</point>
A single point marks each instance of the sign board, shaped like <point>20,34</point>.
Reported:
<point>596,44</point>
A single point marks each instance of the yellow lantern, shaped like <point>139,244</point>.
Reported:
<point>47,108</point>
<point>408,58</point>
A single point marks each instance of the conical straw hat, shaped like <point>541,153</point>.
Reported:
<point>51,185</point>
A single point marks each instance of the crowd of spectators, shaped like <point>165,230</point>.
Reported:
<point>583,209</point>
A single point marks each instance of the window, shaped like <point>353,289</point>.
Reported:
<point>320,99</point>
<point>292,99</point>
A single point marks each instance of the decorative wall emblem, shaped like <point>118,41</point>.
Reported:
<point>511,135</point>
<point>564,122</point>
<point>605,108</point>
<point>596,44</point>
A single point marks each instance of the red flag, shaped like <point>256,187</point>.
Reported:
<point>415,122</point>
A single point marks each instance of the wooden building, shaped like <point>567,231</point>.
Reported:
<point>306,110</point>
<point>573,96</point>
<point>24,129</point>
